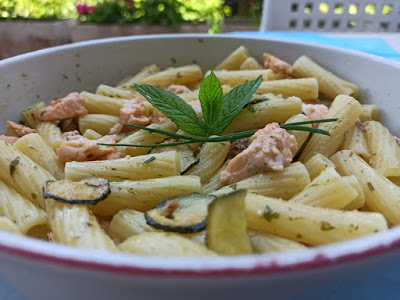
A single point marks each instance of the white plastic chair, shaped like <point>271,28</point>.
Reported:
<point>331,15</point>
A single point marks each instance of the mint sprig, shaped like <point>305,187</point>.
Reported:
<point>181,113</point>
<point>218,110</point>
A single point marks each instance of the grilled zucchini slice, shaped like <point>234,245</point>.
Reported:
<point>186,153</point>
<point>227,225</point>
<point>88,191</point>
<point>183,214</point>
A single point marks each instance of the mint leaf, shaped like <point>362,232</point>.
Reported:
<point>181,113</point>
<point>211,97</point>
<point>233,102</point>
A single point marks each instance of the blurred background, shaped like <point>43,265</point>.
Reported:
<point>27,25</point>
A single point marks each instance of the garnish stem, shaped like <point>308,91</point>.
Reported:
<point>223,138</point>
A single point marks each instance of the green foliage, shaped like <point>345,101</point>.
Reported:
<point>110,12</point>
<point>163,12</point>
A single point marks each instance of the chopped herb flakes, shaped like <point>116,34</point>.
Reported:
<point>149,160</point>
<point>326,226</point>
<point>370,186</point>
<point>13,165</point>
<point>269,214</point>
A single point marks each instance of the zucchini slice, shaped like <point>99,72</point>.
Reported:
<point>88,191</point>
<point>183,214</point>
<point>227,225</point>
<point>186,153</point>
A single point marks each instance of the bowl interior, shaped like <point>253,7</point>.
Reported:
<point>52,73</point>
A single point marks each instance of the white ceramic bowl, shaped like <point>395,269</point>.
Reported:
<point>41,270</point>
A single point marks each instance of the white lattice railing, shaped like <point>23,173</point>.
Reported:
<point>331,15</point>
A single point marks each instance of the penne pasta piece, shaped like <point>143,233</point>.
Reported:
<point>145,194</point>
<point>129,168</point>
<point>359,201</point>
<point>307,224</point>
<point>36,148</point>
<point>163,244</point>
<point>369,112</point>
<point>91,134</point>
<point>75,225</point>
<point>23,174</point>
<point>356,141</point>
<point>98,104</point>
<point>211,157</point>
<point>234,78</point>
<point>20,210</point>
<point>7,225</point>
<point>267,243</point>
<point>28,115</point>
<point>384,149</point>
<point>51,133</point>
<point>250,64</point>
<point>316,164</point>
<point>234,60</point>
<point>304,88</point>
<point>328,189</point>
<point>213,184</point>
<point>98,122</point>
<point>186,75</point>
<point>256,116</point>
<point>145,72</point>
<point>381,195</point>
<point>347,110</point>
<point>329,84</point>
<point>113,92</point>
<point>126,223</point>
<point>293,179</point>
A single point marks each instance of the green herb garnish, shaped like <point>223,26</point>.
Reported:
<point>218,112</point>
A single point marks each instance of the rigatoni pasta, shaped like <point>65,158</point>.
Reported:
<point>306,193</point>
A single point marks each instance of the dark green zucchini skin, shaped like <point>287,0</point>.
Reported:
<point>102,196</point>
<point>187,228</point>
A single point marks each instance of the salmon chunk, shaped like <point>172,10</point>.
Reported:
<point>19,129</point>
<point>271,149</point>
<point>315,111</point>
<point>79,148</point>
<point>281,69</point>
<point>178,89</point>
<point>69,107</point>
<point>8,139</point>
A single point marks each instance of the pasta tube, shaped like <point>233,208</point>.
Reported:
<point>51,133</point>
<point>98,104</point>
<point>163,244</point>
<point>329,84</point>
<point>385,152</point>
<point>234,60</point>
<point>129,168</point>
<point>36,148</point>
<point>255,116</point>
<point>211,158</point>
<point>126,223</point>
<point>304,88</point>
<point>328,189</point>
<point>381,195</point>
<point>347,110</point>
<point>285,184</point>
<point>145,194</point>
<point>307,224</point>
<point>19,209</point>
<point>316,164</point>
